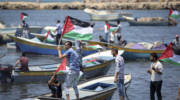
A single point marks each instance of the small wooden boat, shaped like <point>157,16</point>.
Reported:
<point>150,21</point>
<point>38,47</point>
<point>93,65</point>
<point>15,31</point>
<point>129,53</point>
<point>101,88</point>
<point>105,15</point>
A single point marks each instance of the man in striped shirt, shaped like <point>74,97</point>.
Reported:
<point>119,73</point>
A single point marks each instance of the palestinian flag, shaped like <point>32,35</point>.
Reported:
<point>111,27</point>
<point>63,69</point>
<point>89,61</point>
<point>23,16</point>
<point>169,56</point>
<point>77,29</point>
<point>95,46</point>
<point>62,66</point>
<point>174,13</point>
<point>48,37</point>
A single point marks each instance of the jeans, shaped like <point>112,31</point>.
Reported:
<point>155,87</point>
<point>58,36</point>
<point>106,36</point>
<point>120,87</point>
<point>71,80</point>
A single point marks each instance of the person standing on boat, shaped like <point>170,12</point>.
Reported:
<point>118,31</point>
<point>25,31</point>
<point>112,38</point>
<point>74,69</point>
<point>24,63</point>
<point>55,87</point>
<point>156,77</point>
<point>119,73</point>
<point>59,31</point>
<point>106,30</point>
<point>78,45</point>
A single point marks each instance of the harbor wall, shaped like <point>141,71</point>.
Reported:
<point>133,4</point>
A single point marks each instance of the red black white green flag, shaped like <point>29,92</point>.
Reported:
<point>62,66</point>
<point>77,29</point>
<point>111,27</point>
<point>169,56</point>
<point>23,16</point>
<point>174,13</point>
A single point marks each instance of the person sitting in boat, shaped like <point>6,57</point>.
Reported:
<point>25,32</point>
<point>55,87</point>
<point>24,63</point>
<point>121,42</point>
<point>101,39</point>
<point>59,31</point>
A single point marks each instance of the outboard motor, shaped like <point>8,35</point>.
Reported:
<point>6,73</point>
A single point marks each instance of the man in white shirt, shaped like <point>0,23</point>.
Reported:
<point>118,31</point>
<point>156,77</point>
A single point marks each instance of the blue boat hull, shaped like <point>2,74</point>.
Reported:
<point>45,51</point>
<point>133,55</point>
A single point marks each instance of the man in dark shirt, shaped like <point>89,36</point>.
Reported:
<point>55,87</point>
